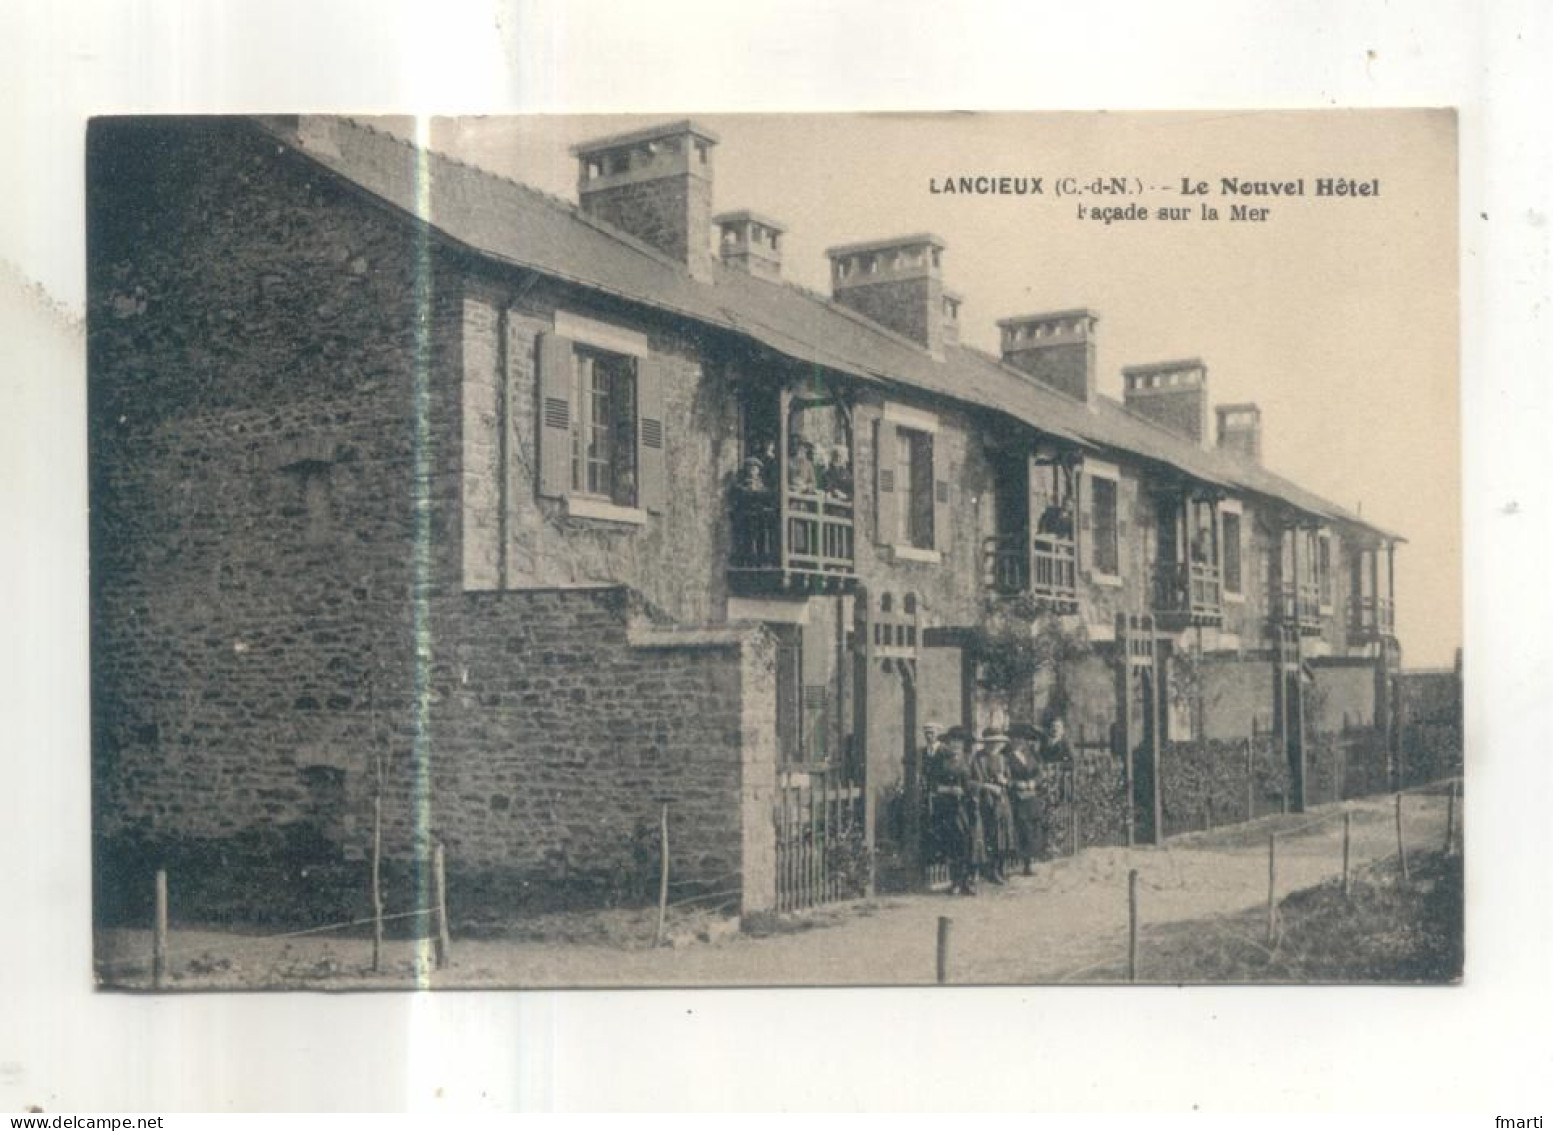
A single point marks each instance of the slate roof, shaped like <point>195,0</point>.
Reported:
<point>512,223</point>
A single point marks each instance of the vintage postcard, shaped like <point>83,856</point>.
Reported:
<point>766,550</point>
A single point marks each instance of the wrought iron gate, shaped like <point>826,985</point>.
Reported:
<point>821,853</point>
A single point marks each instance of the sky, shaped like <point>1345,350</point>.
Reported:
<point>1337,315</point>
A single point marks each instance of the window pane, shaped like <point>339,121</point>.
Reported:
<point>604,432</point>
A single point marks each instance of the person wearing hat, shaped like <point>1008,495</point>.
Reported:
<point>989,769</point>
<point>953,817</point>
<point>1023,769</point>
<point>1055,746</point>
<point>932,750</point>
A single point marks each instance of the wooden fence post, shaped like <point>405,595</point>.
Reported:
<point>159,932</point>
<point>439,880</point>
<point>1251,776</point>
<point>663,875</point>
<point>1272,887</point>
<point>1401,847</point>
<point>1132,925</point>
<point>1073,813</point>
<point>944,924</point>
<point>1347,872</point>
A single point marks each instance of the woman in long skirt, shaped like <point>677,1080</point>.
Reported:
<point>989,768</point>
<point>1023,769</point>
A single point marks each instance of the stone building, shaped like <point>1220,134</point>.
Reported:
<point>534,517</point>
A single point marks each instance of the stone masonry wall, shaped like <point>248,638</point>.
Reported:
<point>252,353</point>
<point>678,558</point>
<point>277,598</point>
<point>558,730</point>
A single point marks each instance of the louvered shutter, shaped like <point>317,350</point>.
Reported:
<point>652,478</point>
<point>887,493</point>
<point>556,367</point>
<point>941,532</point>
<point>1086,520</point>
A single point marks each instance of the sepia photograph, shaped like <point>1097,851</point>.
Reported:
<point>775,550</point>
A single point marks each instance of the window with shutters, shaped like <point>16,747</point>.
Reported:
<point>914,471</point>
<point>1103,529</point>
<point>601,427</point>
<point>911,493</point>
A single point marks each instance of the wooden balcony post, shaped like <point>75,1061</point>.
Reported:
<point>1156,699</point>
<point>862,672</point>
<point>1373,621</point>
<point>1391,588</point>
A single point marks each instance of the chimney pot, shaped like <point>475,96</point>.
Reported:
<point>1173,394</point>
<point>1240,430</point>
<point>655,184</point>
<point>751,242</point>
<point>951,324</point>
<point>1055,348</point>
<point>898,283</point>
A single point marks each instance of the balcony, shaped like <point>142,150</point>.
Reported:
<point>1045,568</point>
<point>1300,610</point>
<point>1374,618</point>
<point>791,542</point>
<point>1188,594</point>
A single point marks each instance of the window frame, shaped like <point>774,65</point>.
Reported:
<point>567,484</point>
<point>585,361</point>
<point>914,471</point>
<point>1096,473</point>
<point>1232,508</point>
<point>904,420</point>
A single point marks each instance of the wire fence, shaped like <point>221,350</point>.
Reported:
<point>1359,842</point>
<point>127,957</point>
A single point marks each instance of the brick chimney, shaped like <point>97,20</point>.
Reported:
<point>655,184</point>
<point>751,242</point>
<point>1240,430</point>
<point>1173,394</point>
<point>1057,349</point>
<point>899,283</point>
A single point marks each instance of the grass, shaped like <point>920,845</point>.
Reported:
<point>1388,931</point>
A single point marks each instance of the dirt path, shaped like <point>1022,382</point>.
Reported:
<point>1067,921</point>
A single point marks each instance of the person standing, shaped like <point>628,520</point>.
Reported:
<point>1057,751</point>
<point>989,769</point>
<point>1023,770</point>
<point>928,757</point>
<point>953,816</point>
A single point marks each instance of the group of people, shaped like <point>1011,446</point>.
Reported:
<point>809,472</point>
<point>983,811</point>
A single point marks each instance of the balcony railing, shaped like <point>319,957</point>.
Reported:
<point>1374,616</point>
<point>1044,567</point>
<point>1188,593</point>
<point>800,541</point>
<point>1302,609</point>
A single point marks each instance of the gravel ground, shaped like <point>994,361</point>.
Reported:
<point>1067,923</point>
